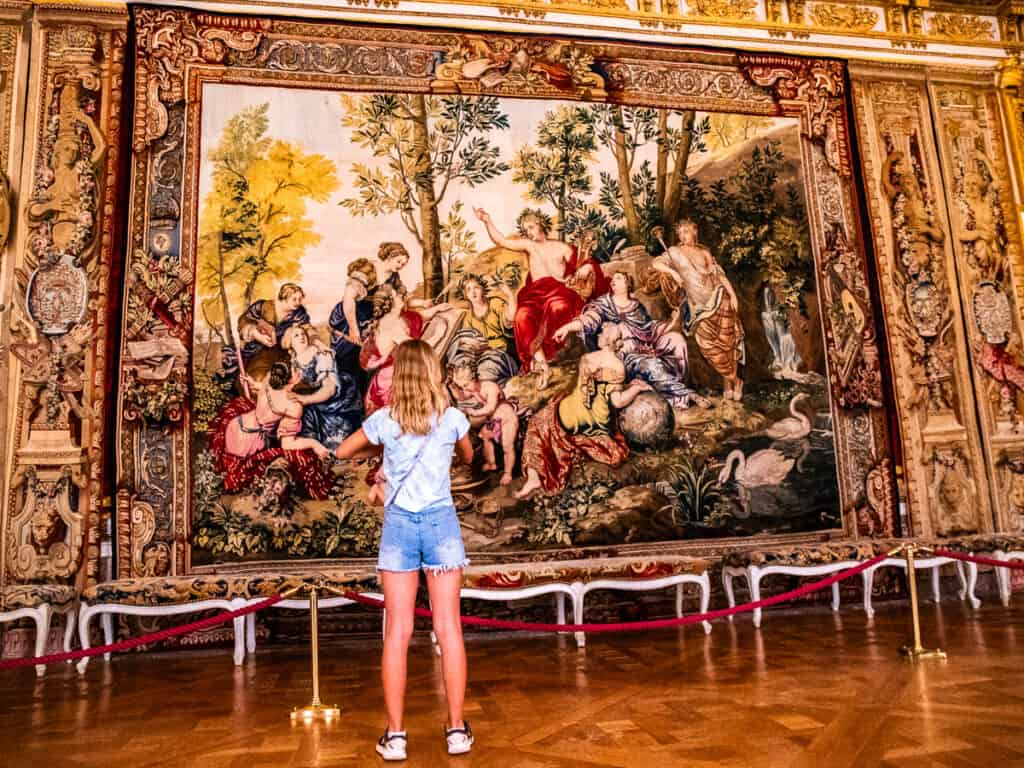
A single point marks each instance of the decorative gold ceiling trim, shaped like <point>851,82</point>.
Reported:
<point>853,18</point>
<point>960,26</point>
<point>673,16</point>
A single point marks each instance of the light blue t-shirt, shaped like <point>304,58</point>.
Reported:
<point>427,480</point>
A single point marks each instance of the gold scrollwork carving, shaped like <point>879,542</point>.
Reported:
<point>819,86</point>
<point>722,9</point>
<point>960,26</point>
<point>848,17</point>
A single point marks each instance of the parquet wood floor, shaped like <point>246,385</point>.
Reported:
<point>810,690</point>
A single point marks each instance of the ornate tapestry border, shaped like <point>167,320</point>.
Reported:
<point>179,50</point>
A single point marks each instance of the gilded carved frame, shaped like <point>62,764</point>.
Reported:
<point>177,51</point>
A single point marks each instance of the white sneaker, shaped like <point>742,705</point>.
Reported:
<point>460,740</point>
<point>391,746</point>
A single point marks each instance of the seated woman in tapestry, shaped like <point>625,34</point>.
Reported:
<point>651,351</point>
<point>331,406</point>
<point>350,319</point>
<point>485,330</point>
<point>263,324</point>
<point>247,436</point>
<point>580,424</point>
<point>695,281</point>
<point>391,324</point>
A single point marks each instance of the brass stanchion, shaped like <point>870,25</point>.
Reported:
<point>315,710</point>
<point>916,652</point>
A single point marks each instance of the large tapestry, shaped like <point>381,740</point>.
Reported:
<point>641,269</point>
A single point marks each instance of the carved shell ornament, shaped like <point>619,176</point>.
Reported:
<point>992,312</point>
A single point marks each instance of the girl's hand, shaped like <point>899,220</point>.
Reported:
<point>321,451</point>
<point>561,333</point>
<point>300,399</point>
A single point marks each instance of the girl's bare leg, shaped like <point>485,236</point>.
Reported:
<point>444,602</point>
<point>399,602</point>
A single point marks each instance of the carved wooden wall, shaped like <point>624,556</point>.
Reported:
<point>13,71</point>
<point>58,290</point>
<point>940,151</point>
<point>948,255</point>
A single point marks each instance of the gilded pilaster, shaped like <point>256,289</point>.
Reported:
<point>13,72</point>
<point>61,291</point>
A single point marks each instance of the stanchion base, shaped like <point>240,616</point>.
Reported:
<point>313,712</point>
<point>922,654</point>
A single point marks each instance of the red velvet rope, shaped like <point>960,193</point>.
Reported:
<point>135,642</point>
<point>472,621</point>
<point>1014,564</point>
<point>636,626</point>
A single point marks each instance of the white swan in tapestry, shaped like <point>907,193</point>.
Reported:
<point>792,427</point>
<point>765,467</point>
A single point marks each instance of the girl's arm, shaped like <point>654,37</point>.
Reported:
<point>357,446</point>
<point>463,449</point>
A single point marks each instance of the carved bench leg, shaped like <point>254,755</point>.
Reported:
<point>835,596</point>
<point>705,599</point>
<point>578,591</point>
<point>250,633</point>
<point>1002,578</point>
<point>560,609</point>
<point>972,584</point>
<point>754,579</point>
<point>69,629</point>
<point>239,623</point>
<point>85,614</point>
<point>727,576</point>
<point>868,579</point>
<point>936,583</point>
<point>107,622</point>
<point>42,619</point>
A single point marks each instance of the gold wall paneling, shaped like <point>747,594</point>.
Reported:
<point>65,241</point>
<point>943,458</point>
<point>987,248</point>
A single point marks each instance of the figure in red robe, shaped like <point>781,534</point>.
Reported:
<point>560,280</point>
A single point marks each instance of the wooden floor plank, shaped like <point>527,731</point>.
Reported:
<point>810,689</point>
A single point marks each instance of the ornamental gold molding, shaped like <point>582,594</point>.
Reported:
<point>723,9</point>
<point>909,25</point>
<point>957,26</point>
<point>849,17</point>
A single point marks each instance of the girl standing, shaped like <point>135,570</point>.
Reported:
<point>418,433</point>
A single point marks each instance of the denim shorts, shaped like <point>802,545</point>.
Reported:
<point>430,539</point>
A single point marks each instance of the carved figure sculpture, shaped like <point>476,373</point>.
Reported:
<point>978,226</point>
<point>913,218</point>
<point>62,202</point>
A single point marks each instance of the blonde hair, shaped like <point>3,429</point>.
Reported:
<point>417,393</point>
